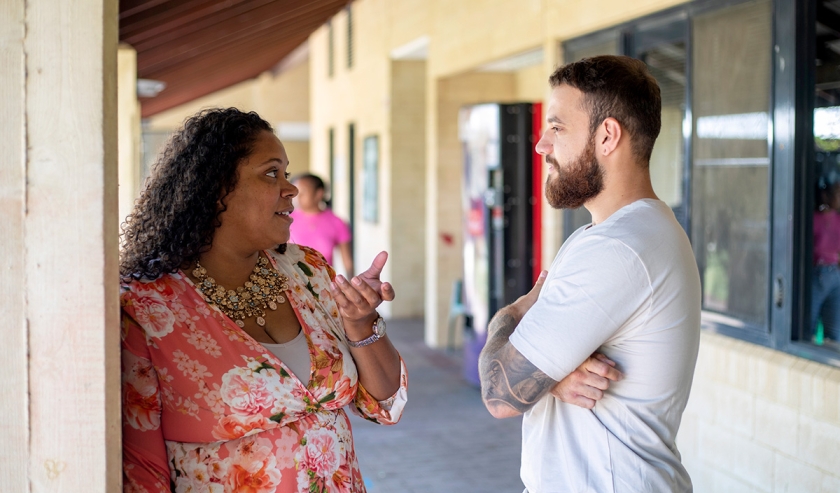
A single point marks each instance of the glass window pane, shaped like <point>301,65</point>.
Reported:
<point>730,169</point>
<point>663,49</point>
<point>824,323</point>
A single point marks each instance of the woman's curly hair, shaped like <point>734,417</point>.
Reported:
<point>178,210</point>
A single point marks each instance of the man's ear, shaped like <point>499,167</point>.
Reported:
<point>609,136</point>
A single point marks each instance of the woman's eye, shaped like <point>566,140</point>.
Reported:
<point>287,175</point>
<point>272,173</point>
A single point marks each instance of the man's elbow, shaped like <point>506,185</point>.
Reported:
<point>502,412</point>
<point>499,409</point>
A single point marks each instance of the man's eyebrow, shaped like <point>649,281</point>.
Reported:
<point>554,119</point>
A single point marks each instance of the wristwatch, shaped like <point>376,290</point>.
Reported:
<point>378,333</point>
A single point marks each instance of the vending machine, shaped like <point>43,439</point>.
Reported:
<point>501,214</point>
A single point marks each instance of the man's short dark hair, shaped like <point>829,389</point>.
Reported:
<point>619,87</point>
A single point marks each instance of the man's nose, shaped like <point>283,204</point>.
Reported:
<point>543,147</point>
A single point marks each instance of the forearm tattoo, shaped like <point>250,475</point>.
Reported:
<point>508,379</point>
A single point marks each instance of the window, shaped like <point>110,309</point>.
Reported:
<point>351,175</point>
<point>330,49</point>
<point>730,217</point>
<point>662,44</point>
<point>331,157</point>
<point>349,36</point>
<point>749,159</point>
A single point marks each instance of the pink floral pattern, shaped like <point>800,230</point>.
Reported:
<point>208,409</point>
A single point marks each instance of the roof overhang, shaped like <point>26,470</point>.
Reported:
<point>197,47</point>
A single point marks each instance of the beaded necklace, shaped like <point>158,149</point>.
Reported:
<point>264,289</point>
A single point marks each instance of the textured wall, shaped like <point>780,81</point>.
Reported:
<point>759,420</point>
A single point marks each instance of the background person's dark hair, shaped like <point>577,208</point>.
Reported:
<point>316,182</point>
<point>619,87</point>
<point>178,210</point>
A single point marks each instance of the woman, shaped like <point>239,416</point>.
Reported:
<point>315,224</point>
<point>825,294</point>
<point>226,389</point>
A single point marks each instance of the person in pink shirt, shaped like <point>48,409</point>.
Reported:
<point>825,293</point>
<point>316,226</point>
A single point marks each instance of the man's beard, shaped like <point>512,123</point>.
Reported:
<point>576,182</point>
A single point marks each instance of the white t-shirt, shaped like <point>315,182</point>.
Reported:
<point>629,288</point>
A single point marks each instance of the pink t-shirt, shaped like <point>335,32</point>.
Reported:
<point>322,231</point>
<point>826,238</point>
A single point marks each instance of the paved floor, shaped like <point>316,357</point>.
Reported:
<point>446,442</point>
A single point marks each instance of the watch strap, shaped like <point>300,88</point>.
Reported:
<point>369,340</point>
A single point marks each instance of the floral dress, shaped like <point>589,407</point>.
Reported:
<point>206,408</point>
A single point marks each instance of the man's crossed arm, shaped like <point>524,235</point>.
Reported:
<point>511,385</point>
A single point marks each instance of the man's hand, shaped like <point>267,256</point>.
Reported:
<point>586,385</point>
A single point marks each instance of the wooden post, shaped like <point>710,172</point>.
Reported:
<point>14,405</point>
<point>58,251</point>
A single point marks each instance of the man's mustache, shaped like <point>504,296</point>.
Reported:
<point>550,159</point>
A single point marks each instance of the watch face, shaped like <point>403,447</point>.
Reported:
<point>379,327</point>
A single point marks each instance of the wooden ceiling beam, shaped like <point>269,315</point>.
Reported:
<point>211,27</point>
<point>208,84</point>
<point>227,61</point>
<point>196,15</point>
<point>133,7</point>
<point>256,37</point>
<point>201,46</point>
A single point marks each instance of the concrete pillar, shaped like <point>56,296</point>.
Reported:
<point>407,184</point>
<point>59,361</point>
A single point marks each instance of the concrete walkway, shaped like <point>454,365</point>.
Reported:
<point>446,442</point>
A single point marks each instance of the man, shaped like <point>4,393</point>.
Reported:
<point>626,286</point>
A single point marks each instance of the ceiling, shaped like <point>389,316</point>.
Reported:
<point>200,46</point>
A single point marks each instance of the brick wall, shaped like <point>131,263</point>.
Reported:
<point>759,420</point>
